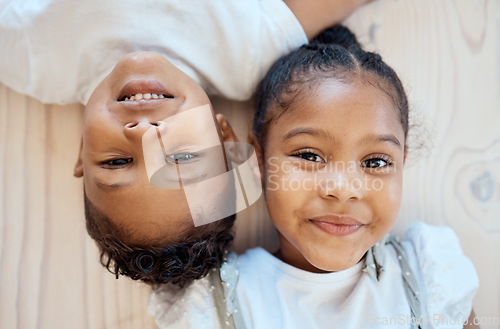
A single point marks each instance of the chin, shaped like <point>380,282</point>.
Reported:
<point>334,265</point>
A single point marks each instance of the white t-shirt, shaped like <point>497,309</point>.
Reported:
<point>59,50</point>
<point>273,294</point>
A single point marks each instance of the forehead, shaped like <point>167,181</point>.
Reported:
<point>143,216</point>
<point>342,104</point>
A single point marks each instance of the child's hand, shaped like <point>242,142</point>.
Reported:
<point>317,15</point>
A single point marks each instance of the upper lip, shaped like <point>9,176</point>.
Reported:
<point>336,219</point>
<point>143,86</point>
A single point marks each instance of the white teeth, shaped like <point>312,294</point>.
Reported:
<point>148,96</point>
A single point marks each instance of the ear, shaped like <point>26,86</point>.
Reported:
<point>233,149</point>
<point>228,134</point>
<point>78,172</point>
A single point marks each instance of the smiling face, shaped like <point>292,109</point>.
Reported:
<point>333,164</point>
<point>146,93</point>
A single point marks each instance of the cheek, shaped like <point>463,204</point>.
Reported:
<point>286,190</point>
<point>387,199</point>
<point>101,131</point>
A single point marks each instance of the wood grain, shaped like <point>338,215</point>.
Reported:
<point>49,273</point>
<point>447,54</point>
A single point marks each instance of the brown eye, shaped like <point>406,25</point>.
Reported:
<point>309,156</point>
<point>375,163</point>
<point>117,162</point>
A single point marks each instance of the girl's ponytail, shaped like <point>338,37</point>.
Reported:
<point>336,35</point>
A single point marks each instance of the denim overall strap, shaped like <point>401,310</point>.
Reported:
<point>410,282</point>
<point>223,286</point>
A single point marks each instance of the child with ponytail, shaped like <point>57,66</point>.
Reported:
<point>330,132</point>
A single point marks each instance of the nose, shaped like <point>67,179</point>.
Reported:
<point>137,129</point>
<point>343,184</point>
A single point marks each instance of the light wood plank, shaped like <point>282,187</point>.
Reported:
<point>49,274</point>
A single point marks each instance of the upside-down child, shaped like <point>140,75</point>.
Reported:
<point>330,132</point>
<point>135,66</point>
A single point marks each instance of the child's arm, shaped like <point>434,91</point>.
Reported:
<point>317,15</point>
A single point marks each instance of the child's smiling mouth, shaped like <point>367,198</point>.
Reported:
<point>336,225</point>
<point>144,97</point>
<point>143,91</point>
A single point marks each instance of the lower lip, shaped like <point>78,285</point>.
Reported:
<point>336,229</point>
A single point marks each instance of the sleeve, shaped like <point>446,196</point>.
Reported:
<point>43,54</point>
<point>447,278</point>
<point>15,65</point>
<point>240,41</point>
<point>280,33</point>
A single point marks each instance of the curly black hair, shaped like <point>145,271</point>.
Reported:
<point>177,263</point>
<point>335,53</point>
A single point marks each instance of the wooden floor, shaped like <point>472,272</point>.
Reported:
<point>448,56</point>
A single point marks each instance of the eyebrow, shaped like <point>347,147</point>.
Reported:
<point>325,134</point>
<point>307,131</point>
<point>110,186</point>
<point>381,138</point>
